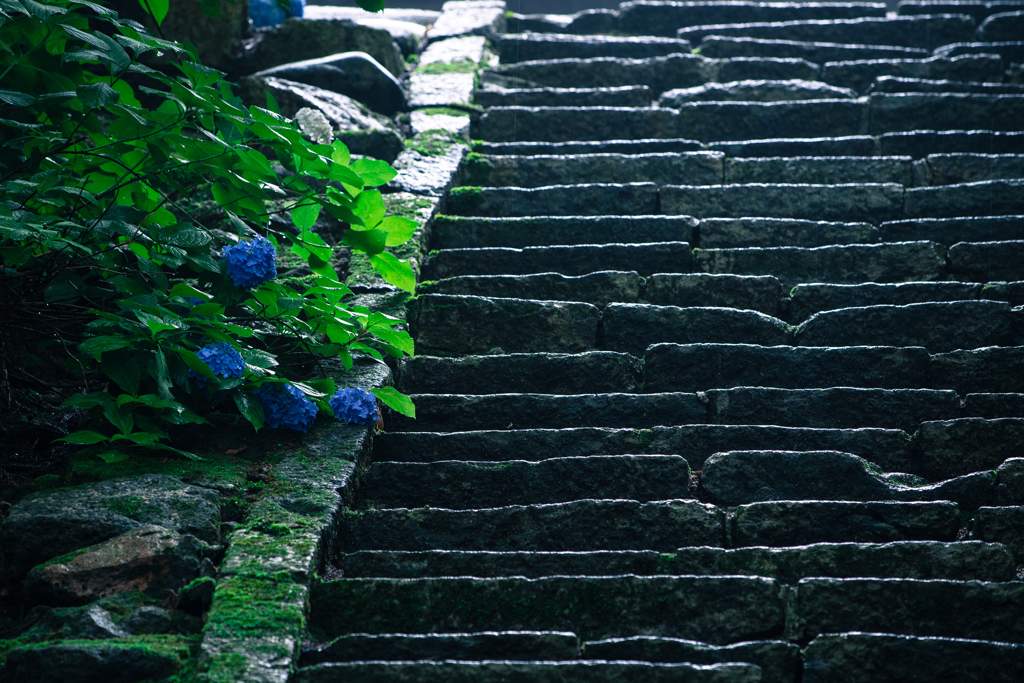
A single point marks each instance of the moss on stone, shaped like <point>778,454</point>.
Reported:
<point>434,142</point>
<point>462,66</point>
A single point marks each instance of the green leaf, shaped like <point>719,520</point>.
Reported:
<point>111,457</point>
<point>397,338</point>
<point>250,408</point>
<point>157,8</point>
<point>16,99</point>
<point>371,5</point>
<point>97,95</point>
<point>370,207</point>
<point>97,345</point>
<point>195,363</point>
<point>374,173</point>
<point>340,155</point>
<point>118,416</point>
<point>395,272</point>
<point>400,230</point>
<point>163,376</point>
<point>84,437</point>
<point>369,241</point>
<point>124,368</point>
<point>305,215</point>
<point>395,400</point>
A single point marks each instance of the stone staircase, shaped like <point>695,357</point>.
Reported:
<point>720,370</point>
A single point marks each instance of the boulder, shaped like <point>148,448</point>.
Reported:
<point>354,74</point>
<point>76,662</point>
<point>343,112</point>
<point>149,559</point>
<point>119,616</point>
<point>407,34</point>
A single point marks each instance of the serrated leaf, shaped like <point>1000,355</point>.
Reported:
<point>97,95</point>
<point>396,400</point>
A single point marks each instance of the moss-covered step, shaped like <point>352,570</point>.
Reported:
<point>695,168</point>
<point>527,47</point>
<point>118,659</point>
<point>984,610</point>
<point>711,609</point>
<point>987,261</point>
<point>722,47</point>
<point>579,259</point>
<point>620,146</point>
<point>807,299</point>
<point>921,143</point>
<point>631,328</point>
<point>837,146</point>
<point>864,202</point>
<point>472,324</point>
<point>494,671</point>
<point>658,18</point>
<point>699,367</point>
<point>948,169</point>
<point>980,370</point>
<point>791,523</point>
<point>455,232</point>
<point>939,327</point>
<point>576,525</point>
<point>750,292</point>
<point>621,96</point>
<point>945,111</point>
<point>890,448</point>
<point>632,199</point>
<point>861,74</point>
<point>887,658</point>
<point>830,170</point>
<point>600,288</point>
<point>542,373</point>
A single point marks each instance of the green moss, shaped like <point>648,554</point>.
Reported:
<point>443,111</point>
<point>432,143</point>
<point>257,606</point>
<point>463,66</point>
<point>644,437</point>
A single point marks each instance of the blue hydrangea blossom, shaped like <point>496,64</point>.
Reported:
<point>356,406</point>
<point>250,264</point>
<point>225,361</point>
<point>286,407</point>
<point>269,13</point>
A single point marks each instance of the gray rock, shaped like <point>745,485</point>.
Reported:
<point>622,96</point>
<point>47,524</point>
<point>1011,51</point>
<point>710,121</point>
<point>663,18</point>
<point>151,620</point>
<point>84,662</point>
<point>921,111</point>
<point>574,200</point>
<point>808,299</point>
<point>892,84</point>
<point>848,145</point>
<point>766,69</point>
<point>695,168</point>
<point>454,232</point>
<point>650,146</point>
<point>378,143</point>
<point>594,21</point>
<point>440,90</point>
<point>754,91</point>
<point>563,124</point>
<point>980,370</point>
<point>431,175</point>
<point>954,447</point>
<point>949,231</point>
<point>475,17</point>
<point>1002,525</point>
<point>947,169</point>
<point>870,203</point>
<point>407,34</point>
<point>658,73</point>
<point>600,288</point>
<point>921,143</point>
<point>720,47</point>
<point>756,293</point>
<point>91,622</point>
<point>1005,26</point>
<point>440,646</point>
<point>354,74</point>
<point>991,406</point>
<point>861,74</point>
<point>526,47</point>
<point>1011,475</point>
<point>987,261</point>
<point>977,9</point>
<point>819,170</point>
<point>344,113</point>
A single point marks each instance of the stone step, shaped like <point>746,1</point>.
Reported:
<point>827,170</point>
<point>979,10</point>
<point>721,47</point>
<point>895,112</point>
<point>992,370</point>
<point>696,168</point>
<point>471,485</point>
<point>600,288</point>
<point>657,73</point>
<point>713,121</point>
<point>663,18</point>
<point>638,146</point>
<point>1012,52</point>
<point>808,299</point>
<point>494,671</point>
<point>699,367</point>
<point>896,84</point>
<point>1002,524</point>
<point>859,657</point>
<point>579,259</point>
<point>948,169</point>
<point>842,146</point>
<point>472,324</point>
<point>749,292</point>
<point>463,413</point>
<point>939,327</point>
<point>631,328</point>
<point>755,91</point>
<point>542,373</point>
<point>889,448</point>
<point>868,203</point>
<point>984,611</point>
<point>457,232</point>
<point>789,523</point>
<point>861,74</point>
<point>986,198</point>
<point>527,47</point>
<point>847,263</point>
<point>949,231</point>
<point>623,96</point>
<point>1005,291</point>
<point>724,233</point>
<point>951,448</point>
<point>922,31</point>
<point>921,143</point>
<point>507,645</point>
<point>578,525</point>
<point>569,200</point>
<point>992,406</point>
<point>987,261</point>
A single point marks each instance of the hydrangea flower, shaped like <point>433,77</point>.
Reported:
<point>269,13</point>
<point>357,406</point>
<point>192,300</point>
<point>315,125</point>
<point>250,264</point>
<point>285,406</point>
<point>223,359</point>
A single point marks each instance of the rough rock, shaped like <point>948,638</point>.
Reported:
<point>1005,26</point>
<point>469,17</point>
<point>1004,525</point>
<point>755,91</point>
<point>343,112</point>
<point>439,646</point>
<point>954,447</point>
<point>407,34</point>
<point>752,292</point>
<point>111,662</point>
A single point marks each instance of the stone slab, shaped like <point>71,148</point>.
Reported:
<point>454,232</point>
<point>600,288</point>
<point>750,292</point>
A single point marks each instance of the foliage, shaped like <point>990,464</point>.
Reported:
<point>136,202</point>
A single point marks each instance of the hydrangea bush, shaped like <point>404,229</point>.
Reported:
<point>355,406</point>
<point>250,264</point>
<point>285,406</point>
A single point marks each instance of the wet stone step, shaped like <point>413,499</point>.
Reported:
<point>921,143</point>
<point>790,523</point>
<point>949,231</point>
<point>456,232</point>
<point>712,609</point>
<point>755,91</point>
<point>841,146</point>
<point>778,660</point>
<point>581,259</point>
<point>984,611</point>
<point>699,367</point>
<point>848,263</point>
<point>713,121</point>
<point>869,203</point>
<point>497,671</point>
<point>808,299</point>
<point>696,168</point>
<point>950,111</point>
<point>819,170</point>
<point>542,373</point>
<point>463,413</point>
<point>1003,524</point>
<point>569,200</point>
<point>987,261</point>
<point>923,31</point>
<point>890,448</point>
<point>514,645</point>
<point>860,74</point>
<point>978,9</point>
<point>526,47</point>
<point>720,47</point>
<point>951,448</point>
<point>940,84</point>
<point>756,293</point>
<point>568,124</point>
<point>622,96</point>
<point>885,658</point>
<point>578,525</point>
<point>472,324</point>
<point>631,328</point>
<point>948,169</point>
<point>900,559</point>
<point>1004,291</point>
<point>1011,51</point>
<point>992,406</point>
<point>765,69</point>
<point>471,485</point>
<point>637,146</point>
<point>661,18</point>
<point>991,370</point>
<point>657,73</point>
<point>599,289</point>
<point>939,327</point>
